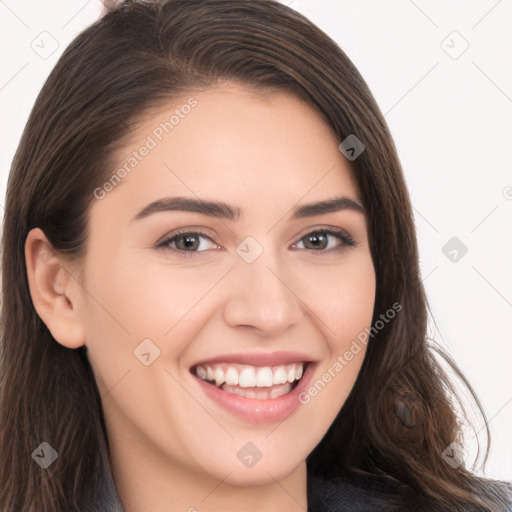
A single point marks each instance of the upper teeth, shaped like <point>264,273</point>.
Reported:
<point>247,376</point>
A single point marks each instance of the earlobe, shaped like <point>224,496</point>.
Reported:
<point>53,290</point>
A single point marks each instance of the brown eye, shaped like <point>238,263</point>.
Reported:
<point>316,241</point>
<point>325,240</point>
<point>187,241</point>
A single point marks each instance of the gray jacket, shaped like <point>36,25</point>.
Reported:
<point>340,495</point>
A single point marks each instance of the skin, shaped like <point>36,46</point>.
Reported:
<point>171,446</point>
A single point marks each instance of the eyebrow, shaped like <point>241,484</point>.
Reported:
<point>223,210</point>
<point>187,204</point>
<point>327,206</point>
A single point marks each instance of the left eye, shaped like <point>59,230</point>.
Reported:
<point>324,240</point>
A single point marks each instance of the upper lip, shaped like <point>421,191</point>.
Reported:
<point>258,358</point>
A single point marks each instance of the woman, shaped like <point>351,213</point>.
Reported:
<point>211,292</point>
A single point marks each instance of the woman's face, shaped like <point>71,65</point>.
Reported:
<point>232,273</point>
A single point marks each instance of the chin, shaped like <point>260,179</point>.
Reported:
<point>231,469</point>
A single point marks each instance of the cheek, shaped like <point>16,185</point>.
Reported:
<point>131,302</point>
<point>344,306</point>
<point>148,298</point>
<point>352,308</point>
<point>341,297</point>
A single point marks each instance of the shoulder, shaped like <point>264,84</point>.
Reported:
<point>104,495</point>
<point>336,494</point>
<point>347,495</point>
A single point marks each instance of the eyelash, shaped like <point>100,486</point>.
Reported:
<point>342,235</point>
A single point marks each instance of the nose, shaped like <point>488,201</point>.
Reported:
<point>262,298</point>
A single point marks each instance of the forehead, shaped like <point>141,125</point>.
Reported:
<point>235,144</point>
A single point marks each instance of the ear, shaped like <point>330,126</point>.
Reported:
<point>54,290</point>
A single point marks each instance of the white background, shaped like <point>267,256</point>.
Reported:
<point>450,114</point>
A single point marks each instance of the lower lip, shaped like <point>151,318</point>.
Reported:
<point>251,410</point>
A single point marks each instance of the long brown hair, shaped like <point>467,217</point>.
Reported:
<point>132,60</point>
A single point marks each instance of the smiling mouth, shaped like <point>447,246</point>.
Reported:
<point>256,382</point>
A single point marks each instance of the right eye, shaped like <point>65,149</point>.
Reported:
<point>187,241</point>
